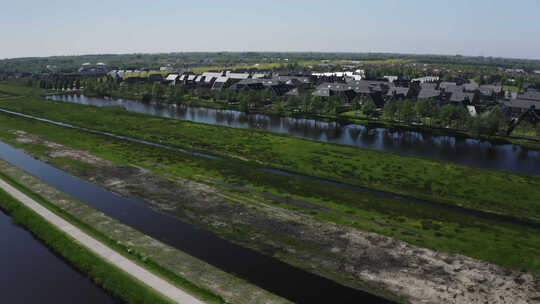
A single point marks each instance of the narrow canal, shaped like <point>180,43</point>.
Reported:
<point>271,274</point>
<point>487,215</point>
<point>463,150</point>
<point>32,274</point>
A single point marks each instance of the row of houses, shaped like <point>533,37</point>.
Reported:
<point>250,81</point>
<point>529,101</point>
<point>351,85</point>
<point>468,93</point>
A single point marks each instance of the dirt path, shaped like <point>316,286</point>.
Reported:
<point>111,256</point>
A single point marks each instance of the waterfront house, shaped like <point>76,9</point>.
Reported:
<point>520,106</point>
<point>222,82</point>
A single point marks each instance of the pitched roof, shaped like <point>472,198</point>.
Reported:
<point>495,88</point>
<point>322,92</point>
<point>428,93</point>
<point>209,76</point>
<point>258,75</point>
<point>522,103</point>
<point>450,86</point>
<point>222,79</point>
<point>458,96</point>
<point>171,77</point>
<point>530,95</point>
<point>293,92</point>
<point>470,87</point>
<point>299,79</point>
<point>237,75</point>
<point>428,85</point>
<point>398,91</point>
<point>485,91</point>
<point>250,81</point>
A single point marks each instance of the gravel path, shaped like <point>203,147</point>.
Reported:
<point>111,256</point>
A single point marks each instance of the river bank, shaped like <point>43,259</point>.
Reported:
<point>528,142</point>
<point>28,264</point>
<point>169,262</point>
<point>313,232</point>
<point>452,184</point>
<point>112,270</point>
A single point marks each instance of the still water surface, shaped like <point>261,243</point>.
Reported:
<point>271,274</point>
<point>31,273</point>
<point>467,151</point>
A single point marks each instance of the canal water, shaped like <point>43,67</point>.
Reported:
<point>463,150</point>
<point>487,215</point>
<point>32,274</point>
<point>271,274</point>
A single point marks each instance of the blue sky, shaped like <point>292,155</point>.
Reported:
<point>468,27</point>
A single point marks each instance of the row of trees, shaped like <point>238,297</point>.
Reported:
<point>429,112</point>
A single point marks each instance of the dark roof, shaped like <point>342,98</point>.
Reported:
<point>271,82</point>
<point>445,85</point>
<point>461,96</point>
<point>322,92</point>
<point>250,81</point>
<point>530,95</point>
<point>398,91</point>
<point>359,87</point>
<point>450,87</point>
<point>366,86</point>
<point>428,93</point>
<point>428,85</point>
<point>293,92</point>
<point>292,79</point>
<point>470,87</point>
<point>335,86</point>
<point>485,91</point>
<point>495,88</point>
<point>522,103</point>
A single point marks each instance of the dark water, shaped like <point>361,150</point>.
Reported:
<point>280,278</point>
<point>468,151</point>
<point>31,273</point>
<point>486,215</point>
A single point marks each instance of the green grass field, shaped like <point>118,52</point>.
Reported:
<point>505,244</point>
<point>470,187</point>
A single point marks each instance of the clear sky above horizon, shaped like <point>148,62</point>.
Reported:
<point>467,27</point>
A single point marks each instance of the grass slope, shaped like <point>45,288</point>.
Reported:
<point>13,205</point>
<point>104,274</point>
<point>504,244</point>
<point>444,182</point>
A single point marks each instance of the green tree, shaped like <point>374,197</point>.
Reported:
<point>369,108</point>
<point>406,111</point>
<point>390,110</point>
<point>157,90</point>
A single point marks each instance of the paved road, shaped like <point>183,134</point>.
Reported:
<point>157,283</point>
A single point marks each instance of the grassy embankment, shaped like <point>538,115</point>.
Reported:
<point>505,244</point>
<point>104,274</point>
<point>448,183</point>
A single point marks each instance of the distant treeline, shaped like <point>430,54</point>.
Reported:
<point>67,64</point>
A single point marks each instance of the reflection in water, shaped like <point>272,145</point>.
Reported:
<point>31,273</point>
<point>462,150</point>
